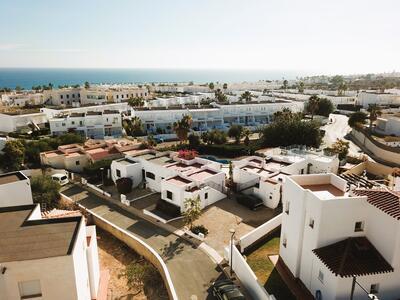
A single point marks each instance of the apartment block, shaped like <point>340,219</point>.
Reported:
<point>263,176</point>
<point>331,234</point>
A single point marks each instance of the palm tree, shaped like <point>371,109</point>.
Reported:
<point>374,113</point>
<point>246,96</point>
<point>312,105</point>
<point>342,88</point>
<point>211,85</point>
<point>182,127</point>
<point>225,86</point>
<point>285,84</point>
<point>136,101</point>
<point>301,87</point>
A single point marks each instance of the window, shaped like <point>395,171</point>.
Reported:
<point>73,122</point>
<point>374,288</point>
<point>321,276</point>
<point>206,196</point>
<point>80,122</point>
<point>359,226</point>
<point>118,173</point>
<point>29,289</point>
<point>77,163</point>
<point>61,97</point>
<point>287,207</point>
<point>150,175</point>
<point>169,195</point>
<point>73,95</point>
<point>67,96</point>
<point>311,223</point>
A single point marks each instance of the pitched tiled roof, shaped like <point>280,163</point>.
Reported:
<point>353,256</point>
<point>385,200</point>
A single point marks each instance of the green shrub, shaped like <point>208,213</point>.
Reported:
<point>124,185</point>
<point>199,229</point>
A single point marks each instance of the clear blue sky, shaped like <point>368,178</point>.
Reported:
<point>310,35</point>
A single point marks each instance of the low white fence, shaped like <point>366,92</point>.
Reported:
<point>246,275</point>
<point>93,187</point>
<point>257,233</point>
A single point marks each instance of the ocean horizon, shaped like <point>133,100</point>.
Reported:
<point>28,77</point>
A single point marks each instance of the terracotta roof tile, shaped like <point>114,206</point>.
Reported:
<point>353,256</point>
<point>385,200</point>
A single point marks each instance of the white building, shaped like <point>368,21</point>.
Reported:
<point>63,97</point>
<point>175,178</point>
<point>92,124</point>
<point>22,99</point>
<point>388,125</point>
<point>263,177</point>
<point>43,258</point>
<point>13,122</point>
<point>367,98</point>
<point>329,235</point>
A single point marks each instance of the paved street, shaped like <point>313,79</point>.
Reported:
<point>338,129</point>
<point>192,271</point>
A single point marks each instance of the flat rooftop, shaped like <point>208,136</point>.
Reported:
<point>324,191</point>
<point>180,167</point>
<point>257,170</point>
<point>202,175</point>
<point>179,181</point>
<point>11,177</point>
<point>275,164</point>
<point>146,156</point>
<point>126,161</point>
<point>23,239</point>
<point>161,160</point>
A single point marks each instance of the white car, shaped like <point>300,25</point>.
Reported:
<point>62,179</point>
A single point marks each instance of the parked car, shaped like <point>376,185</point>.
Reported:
<point>62,179</point>
<point>249,201</point>
<point>226,290</point>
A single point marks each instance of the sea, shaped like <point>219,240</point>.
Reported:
<point>28,77</point>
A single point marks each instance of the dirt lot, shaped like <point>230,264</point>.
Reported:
<point>114,256</point>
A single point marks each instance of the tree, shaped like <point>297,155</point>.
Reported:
<point>342,88</point>
<point>285,84</point>
<point>45,190</point>
<point>87,85</point>
<point>301,87</point>
<point>357,118</point>
<point>374,113</point>
<point>214,136</point>
<point>291,130</point>
<point>18,88</point>
<point>246,96</point>
<point>220,96</point>
<point>236,132</point>
<point>340,147</point>
<point>192,210</point>
<point>325,107</point>
<point>225,86</point>
<point>246,133</point>
<point>182,127</point>
<point>194,141</point>
<point>51,86</point>
<point>312,105</point>
<point>211,85</point>
<point>336,81</point>
<point>136,101</point>
<point>13,155</point>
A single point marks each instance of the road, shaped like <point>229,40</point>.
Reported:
<point>338,129</point>
<point>191,270</point>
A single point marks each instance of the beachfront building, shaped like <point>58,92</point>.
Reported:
<point>176,178</point>
<point>263,176</point>
<point>70,96</point>
<point>334,98</point>
<point>75,158</point>
<point>92,124</point>
<point>331,234</point>
<point>22,99</point>
<point>43,257</point>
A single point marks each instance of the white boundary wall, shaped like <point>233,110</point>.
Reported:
<point>257,233</point>
<point>246,275</point>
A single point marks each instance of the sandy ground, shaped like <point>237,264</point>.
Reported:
<point>114,256</point>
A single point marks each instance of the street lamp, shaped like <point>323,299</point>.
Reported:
<point>102,176</point>
<point>232,231</point>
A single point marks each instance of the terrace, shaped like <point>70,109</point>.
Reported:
<point>257,170</point>
<point>202,175</point>
<point>11,177</point>
<point>179,181</point>
<point>183,168</point>
<point>323,186</point>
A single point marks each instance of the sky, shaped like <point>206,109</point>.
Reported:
<point>328,37</point>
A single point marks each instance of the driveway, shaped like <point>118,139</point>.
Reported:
<point>226,214</point>
<point>338,129</point>
<point>192,271</point>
